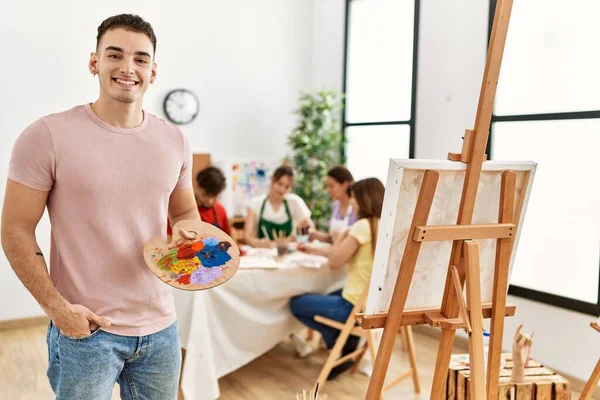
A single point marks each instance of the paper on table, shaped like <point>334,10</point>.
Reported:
<point>256,258</point>
<point>305,260</point>
<point>258,262</point>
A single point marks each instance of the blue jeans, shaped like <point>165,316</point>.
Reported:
<point>332,306</point>
<point>146,367</point>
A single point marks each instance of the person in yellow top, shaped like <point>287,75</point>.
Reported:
<point>356,248</point>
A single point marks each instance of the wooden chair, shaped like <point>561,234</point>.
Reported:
<point>349,327</point>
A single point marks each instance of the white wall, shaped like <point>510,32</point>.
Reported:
<point>451,59</point>
<point>328,44</point>
<point>246,61</point>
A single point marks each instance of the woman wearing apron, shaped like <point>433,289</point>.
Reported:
<point>278,212</point>
<point>338,183</point>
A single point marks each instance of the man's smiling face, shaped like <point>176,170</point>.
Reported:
<point>124,64</point>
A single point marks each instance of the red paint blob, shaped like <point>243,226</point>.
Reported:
<point>185,252</point>
<point>184,279</point>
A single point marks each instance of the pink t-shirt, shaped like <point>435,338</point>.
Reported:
<point>109,193</point>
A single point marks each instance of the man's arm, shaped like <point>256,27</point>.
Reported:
<point>182,206</point>
<point>23,208</point>
<point>22,211</point>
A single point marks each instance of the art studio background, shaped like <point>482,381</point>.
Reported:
<point>411,92</point>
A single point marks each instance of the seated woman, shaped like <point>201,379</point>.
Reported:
<point>277,212</point>
<point>338,183</point>
<point>355,248</point>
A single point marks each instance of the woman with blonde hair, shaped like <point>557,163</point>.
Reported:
<point>355,248</point>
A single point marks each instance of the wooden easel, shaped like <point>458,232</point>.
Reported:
<point>591,384</point>
<point>464,259</point>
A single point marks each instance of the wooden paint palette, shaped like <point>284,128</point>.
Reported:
<point>200,256</point>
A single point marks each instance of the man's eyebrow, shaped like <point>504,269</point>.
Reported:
<point>137,53</point>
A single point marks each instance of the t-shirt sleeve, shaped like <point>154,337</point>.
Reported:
<point>361,231</point>
<point>185,175</point>
<point>33,159</point>
<point>298,208</point>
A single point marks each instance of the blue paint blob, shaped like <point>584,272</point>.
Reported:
<point>211,241</point>
<point>213,256</point>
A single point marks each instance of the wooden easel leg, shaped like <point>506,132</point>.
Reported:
<point>412,355</point>
<point>438,387</point>
<point>475,149</point>
<point>473,281</point>
<point>503,254</point>
<point>407,269</point>
<point>590,386</point>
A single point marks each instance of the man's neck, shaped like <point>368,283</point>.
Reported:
<point>118,114</point>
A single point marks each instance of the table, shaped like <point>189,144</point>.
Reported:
<point>226,327</point>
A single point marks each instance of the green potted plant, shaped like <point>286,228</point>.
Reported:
<point>315,143</point>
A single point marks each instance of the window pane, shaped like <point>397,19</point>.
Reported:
<point>549,62</point>
<point>379,63</point>
<point>559,250</point>
<point>369,149</point>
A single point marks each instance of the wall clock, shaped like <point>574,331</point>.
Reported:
<point>181,106</point>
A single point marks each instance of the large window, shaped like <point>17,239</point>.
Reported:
<point>379,83</point>
<point>548,110</point>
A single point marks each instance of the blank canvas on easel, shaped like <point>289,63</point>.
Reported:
<point>402,190</point>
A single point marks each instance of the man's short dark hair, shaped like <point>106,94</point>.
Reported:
<point>128,22</point>
<point>212,180</point>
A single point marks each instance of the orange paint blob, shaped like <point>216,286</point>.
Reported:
<point>197,246</point>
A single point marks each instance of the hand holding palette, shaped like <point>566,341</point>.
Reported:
<point>200,256</point>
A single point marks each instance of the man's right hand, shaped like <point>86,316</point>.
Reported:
<point>74,320</point>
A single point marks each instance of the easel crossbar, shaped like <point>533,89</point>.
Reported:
<point>418,317</point>
<point>434,233</point>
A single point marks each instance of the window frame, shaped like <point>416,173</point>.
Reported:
<point>520,291</point>
<point>413,99</point>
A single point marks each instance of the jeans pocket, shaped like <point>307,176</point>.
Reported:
<point>80,339</point>
<point>48,332</point>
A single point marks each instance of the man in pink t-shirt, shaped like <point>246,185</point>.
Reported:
<point>109,174</point>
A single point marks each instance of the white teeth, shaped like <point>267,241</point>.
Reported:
<point>125,82</point>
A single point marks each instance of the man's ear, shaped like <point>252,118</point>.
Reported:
<point>93,63</point>
<point>153,74</point>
